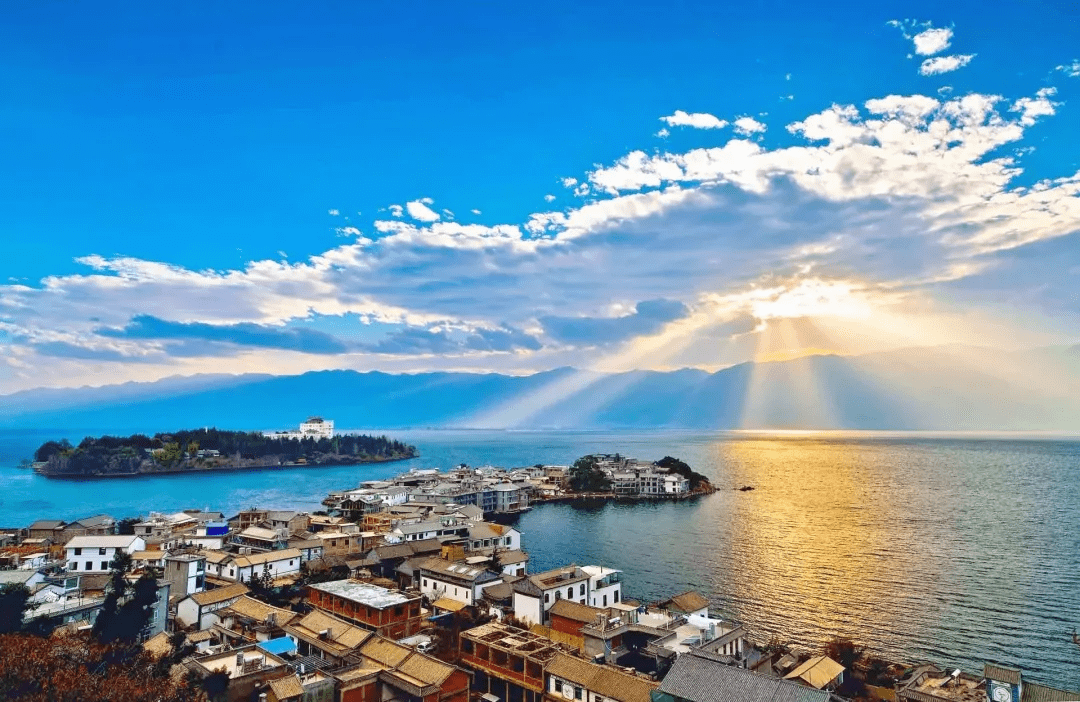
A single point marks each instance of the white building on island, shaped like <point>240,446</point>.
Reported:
<point>313,428</point>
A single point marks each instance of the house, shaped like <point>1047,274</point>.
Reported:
<point>512,562</point>
<point>569,617</point>
<point>311,549</point>
<point>248,669</point>
<point>230,567</point>
<point>254,620</point>
<point>259,538</point>
<point>29,578</point>
<point>487,536</point>
<point>309,687</point>
<point>569,677</point>
<point>928,683</point>
<point>605,585</point>
<point>696,676</point>
<point>819,672</point>
<point>94,554</point>
<point>198,609</point>
<point>687,603</point>
<point>186,572</point>
<point>387,612</point>
<point>440,578</point>
<point>166,528</point>
<point>98,525</point>
<point>326,637</point>
<point>535,594</point>
<point>51,529</point>
<point>388,671</point>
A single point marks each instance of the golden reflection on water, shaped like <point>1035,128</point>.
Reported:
<point>814,539</point>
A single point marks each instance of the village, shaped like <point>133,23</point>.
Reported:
<point>419,587</point>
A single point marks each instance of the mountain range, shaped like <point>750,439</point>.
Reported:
<point>935,388</point>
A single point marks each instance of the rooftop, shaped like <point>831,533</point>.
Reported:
<point>220,594</point>
<point>102,541</point>
<point>817,672</point>
<point>365,593</point>
<point>601,679</point>
<point>698,677</point>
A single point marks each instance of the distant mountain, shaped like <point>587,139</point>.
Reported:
<point>948,388</point>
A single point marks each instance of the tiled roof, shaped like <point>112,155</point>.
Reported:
<point>1034,692</point>
<point>220,594</point>
<point>511,557</point>
<point>260,611</point>
<point>817,672</point>
<point>386,653</point>
<point>459,571</point>
<point>602,680</point>
<point>425,668</point>
<point>343,638</point>
<point>1006,675</point>
<point>48,524</point>
<point>216,557</point>
<point>284,688</point>
<point>687,602</point>
<point>448,604</point>
<point>697,678</point>
<point>268,557</point>
<point>158,645</point>
<point>575,611</point>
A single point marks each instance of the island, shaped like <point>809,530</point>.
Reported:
<point>210,449</point>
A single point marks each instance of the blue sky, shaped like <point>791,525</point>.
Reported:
<point>196,188</point>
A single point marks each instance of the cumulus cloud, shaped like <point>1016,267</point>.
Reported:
<point>932,41</point>
<point>944,64</point>
<point>904,192</point>
<point>419,210</point>
<point>1070,69</point>
<point>663,133</point>
<point>748,126</point>
<point>697,120</point>
<point>549,198</point>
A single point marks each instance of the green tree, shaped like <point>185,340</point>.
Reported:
<point>126,526</point>
<point>586,476</point>
<point>844,651</point>
<point>14,598</point>
<point>127,610</point>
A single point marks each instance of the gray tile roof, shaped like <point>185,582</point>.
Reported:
<point>698,678</point>
<point>1001,674</point>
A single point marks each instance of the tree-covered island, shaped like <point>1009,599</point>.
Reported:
<point>206,450</point>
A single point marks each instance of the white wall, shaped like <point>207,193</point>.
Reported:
<point>99,562</point>
<point>435,588</point>
<point>278,569</point>
<point>527,608</point>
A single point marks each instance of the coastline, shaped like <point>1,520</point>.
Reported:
<point>217,469</point>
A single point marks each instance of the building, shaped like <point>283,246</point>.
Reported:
<point>253,620</point>
<point>248,669</point>
<point>98,525</point>
<point>507,662</point>
<point>819,672</point>
<point>570,678</point>
<point>605,585</point>
<point>687,603</point>
<point>227,567</point>
<point>313,428</point>
<point>309,687</point>
<point>198,610</point>
<point>186,573</point>
<point>442,579</point>
<point>697,676</point>
<point>94,554</point>
<point>389,613</point>
<point>928,683</point>
<point>326,637</point>
<point>535,594</point>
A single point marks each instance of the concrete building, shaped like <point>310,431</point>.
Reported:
<point>571,678</point>
<point>185,572</point>
<point>535,594</point>
<point>442,579</point>
<point>389,613</point>
<point>198,610</point>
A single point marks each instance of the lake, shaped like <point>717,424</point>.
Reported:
<point>957,549</point>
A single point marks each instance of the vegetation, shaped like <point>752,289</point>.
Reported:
<point>112,455</point>
<point>127,609</point>
<point>676,466</point>
<point>586,476</point>
<point>844,651</point>
<point>13,602</point>
<point>74,668</point>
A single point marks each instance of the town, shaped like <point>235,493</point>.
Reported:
<point>419,587</point>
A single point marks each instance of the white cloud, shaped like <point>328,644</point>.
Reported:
<point>475,211</point>
<point>1070,69</point>
<point>663,133</point>
<point>697,120</point>
<point>569,182</point>
<point>932,41</point>
<point>748,126</point>
<point>1031,109</point>
<point>333,213</point>
<point>549,198</point>
<point>419,210</point>
<point>787,76</point>
<point>396,210</point>
<point>944,64</point>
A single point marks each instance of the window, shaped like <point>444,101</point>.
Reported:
<point>605,600</point>
<point>104,565</point>
<point>577,693</point>
<point>78,551</point>
<point>556,685</point>
<point>547,597</point>
<point>73,566</point>
<point>425,582</point>
<point>615,596</point>
<point>290,562</point>
<point>101,552</point>
<point>581,590</point>
<point>569,592</point>
<point>89,565</point>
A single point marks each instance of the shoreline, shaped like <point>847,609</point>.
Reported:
<point>215,469</point>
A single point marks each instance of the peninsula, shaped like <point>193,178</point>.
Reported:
<point>210,449</point>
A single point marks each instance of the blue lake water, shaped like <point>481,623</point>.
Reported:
<point>955,549</point>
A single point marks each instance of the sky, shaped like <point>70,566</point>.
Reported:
<point>264,187</point>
